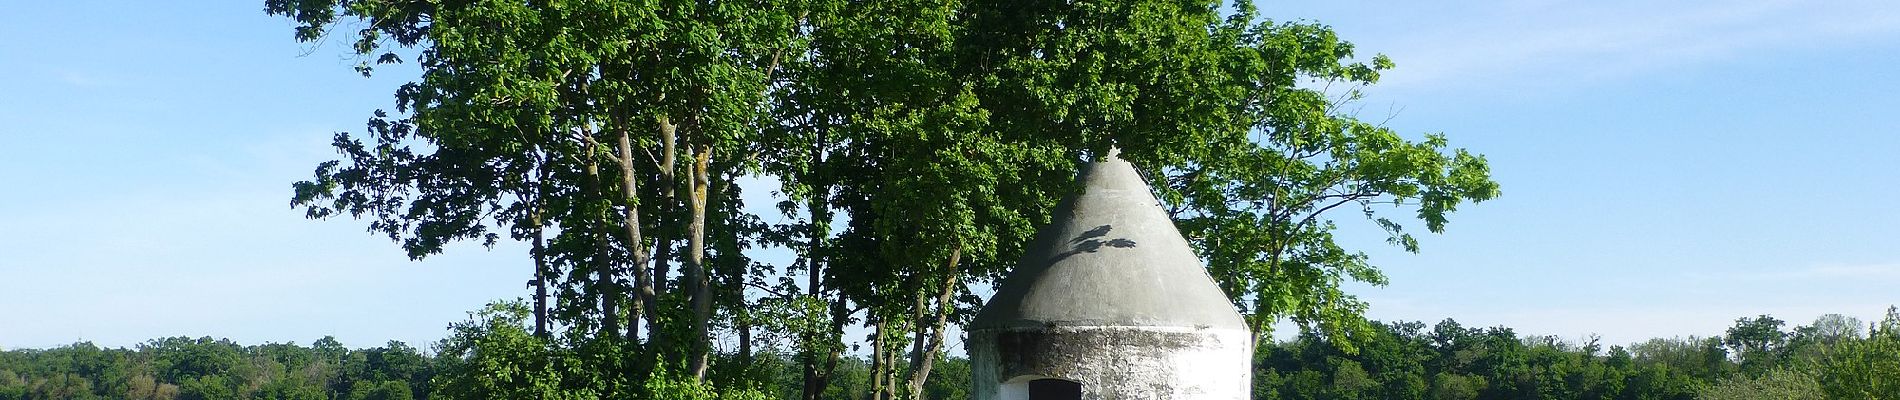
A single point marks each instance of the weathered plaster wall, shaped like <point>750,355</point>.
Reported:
<point>1114,363</point>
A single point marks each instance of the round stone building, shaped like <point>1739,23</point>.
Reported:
<point>1109,302</point>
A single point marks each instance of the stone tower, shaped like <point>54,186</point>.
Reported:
<point>1109,302</point>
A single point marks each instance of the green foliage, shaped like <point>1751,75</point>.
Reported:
<point>204,368</point>
<point>385,390</point>
<point>1757,342</point>
<point>1702,358</point>
<point>11,386</point>
<point>207,387</point>
<point>941,133</point>
<point>1232,119</point>
<point>1403,360</point>
<point>493,356</point>
<point>1776,384</point>
<point>1864,368</point>
<point>1453,386</point>
<point>665,385</point>
<point>950,380</point>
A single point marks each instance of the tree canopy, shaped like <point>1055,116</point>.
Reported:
<point>616,137</point>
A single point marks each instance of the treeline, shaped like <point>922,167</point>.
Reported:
<point>1834,357</point>
<point>203,368</point>
<point>495,355</point>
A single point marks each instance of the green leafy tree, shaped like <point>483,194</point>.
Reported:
<point>880,126</point>
<point>1703,358</point>
<point>11,386</point>
<point>1228,116</point>
<point>941,131</point>
<point>494,356</point>
<point>385,390</point>
<point>1865,368</point>
<point>208,387</point>
<point>1778,384</point>
<point>522,113</point>
<point>1452,386</point>
<point>1758,343</point>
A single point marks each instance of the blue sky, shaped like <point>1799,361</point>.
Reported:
<point>1666,169</point>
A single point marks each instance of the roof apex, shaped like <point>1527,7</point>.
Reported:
<point>1109,257</point>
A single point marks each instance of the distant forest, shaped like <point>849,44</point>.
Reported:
<point>1833,357</point>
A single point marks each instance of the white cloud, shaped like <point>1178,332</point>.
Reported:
<point>82,80</point>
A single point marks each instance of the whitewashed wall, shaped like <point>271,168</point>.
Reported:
<point>1114,363</point>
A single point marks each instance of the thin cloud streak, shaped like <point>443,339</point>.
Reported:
<point>1831,272</point>
<point>83,80</point>
<point>1543,45</point>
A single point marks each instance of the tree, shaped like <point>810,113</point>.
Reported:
<point>879,125</point>
<point>493,355</point>
<point>941,133</point>
<point>1863,368</point>
<point>1703,358</point>
<point>209,387</point>
<point>1776,384</point>
<point>1808,342</point>
<point>1450,386</point>
<point>1830,328</point>
<point>1757,343</point>
<point>1226,115</point>
<point>520,107</point>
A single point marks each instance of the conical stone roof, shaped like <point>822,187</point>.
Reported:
<point>1109,257</point>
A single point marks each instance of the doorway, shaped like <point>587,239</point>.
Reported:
<point>1054,389</point>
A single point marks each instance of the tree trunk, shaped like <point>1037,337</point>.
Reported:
<point>745,342</point>
<point>926,355</point>
<point>697,273</point>
<point>665,233</point>
<point>890,370</point>
<point>669,191</point>
<point>540,251</point>
<point>819,209</point>
<point>877,361</point>
<point>816,379</point>
<point>603,265</point>
<point>636,244</point>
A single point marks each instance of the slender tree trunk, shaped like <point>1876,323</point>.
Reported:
<point>811,378</point>
<point>745,341</point>
<point>665,216</point>
<point>636,244</point>
<point>603,265</point>
<point>819,209</point>
<point>663,257</point>
<point>925,356</point>
<point>890,368</point>
<point>877,361</point>
<point>698,275</point>
<point>540,251</point>
<point>669,189</point>
<point>819,378</point>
